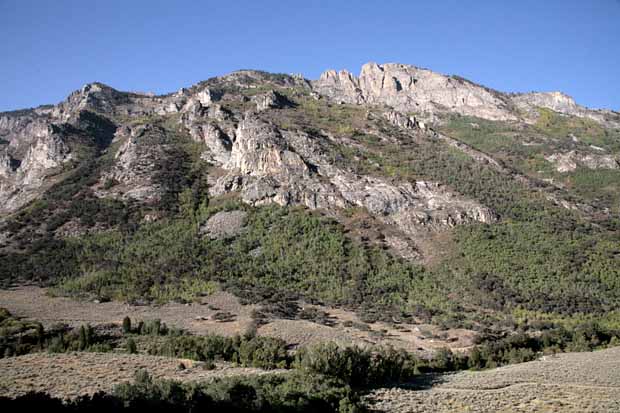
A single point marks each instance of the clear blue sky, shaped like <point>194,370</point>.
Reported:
<point>50,48</point>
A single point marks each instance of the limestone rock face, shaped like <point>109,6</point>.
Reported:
<point>400,120</point>
<point>267,165</point>
<point>342,86</point>
<point>411,89</point>
<point>260,149</point>
<point>217,141</point>
<point>204,97</point>
<point>206,129</point>
<point>21,131</point>
<point>22,180</point>
<point>270,100</point>
<point>7,164</point>
<point>276,156</point>
<point>570,161</point>
<point>137,164</point>
<point>46,153</point>
<point>562,103</point>
<point>93,96</point>
<point>208,123</point>
<point>556,101</point>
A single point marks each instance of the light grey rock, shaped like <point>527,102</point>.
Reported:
<point>290,168</point>
<point>7,164</point>
<point>136,165</point>
<point>225,224</point>
<point>260,149</point>
<point>411,89</point>
<point>21,131</point>
<point>562,103</point>
<point>204,97</point>
<point>400,120</point>
<point>570,161</point>
<point>46,153</point>
<point>218,143</point>
<point>270,100</point>
<point>343,86</point>
<point>23,180</point>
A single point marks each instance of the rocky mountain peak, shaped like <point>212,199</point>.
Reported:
<point>427,94</point>
<point>92,96</point>
<point>410,89</point>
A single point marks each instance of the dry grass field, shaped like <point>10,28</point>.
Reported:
<point>70,375</point>
<point>34,303</point>
<point>569,382</point>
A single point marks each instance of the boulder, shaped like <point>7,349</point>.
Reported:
<point>225,224</point>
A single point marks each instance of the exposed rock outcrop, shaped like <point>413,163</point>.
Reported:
<point>562,103</point>
<point>8,165</point>
<point>137,165</point>
<point>411,89</point>
<point>270,100</point>
<point>400,120</point>
<point>263,159</point>
<point>225,224</point>
<point>260,149</point>
<point>22,180</point>
<point>267,165</point>
<point>343,86</point>
<point>569,161</point>
<point>46,153</point>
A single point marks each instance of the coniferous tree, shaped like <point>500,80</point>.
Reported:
<point>126,325</point>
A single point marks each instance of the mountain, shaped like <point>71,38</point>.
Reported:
<point>400,193</point>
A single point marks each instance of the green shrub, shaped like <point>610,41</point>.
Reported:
<point>126,325</point>
<point>356,366</point>
<point>131,346</point>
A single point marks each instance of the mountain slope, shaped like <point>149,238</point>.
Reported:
<point>401,193</point>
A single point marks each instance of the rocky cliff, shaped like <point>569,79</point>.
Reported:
<point>413,90</point>
<point>426,93</point>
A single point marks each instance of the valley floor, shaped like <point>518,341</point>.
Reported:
<point>34,303</point>
<point>70,375</point>
<point>569,382</point>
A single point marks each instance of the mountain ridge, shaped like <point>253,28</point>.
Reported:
<point>552,93</point>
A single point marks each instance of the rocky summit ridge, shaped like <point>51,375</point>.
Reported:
<point>234,122</point>
<point>424,92</point>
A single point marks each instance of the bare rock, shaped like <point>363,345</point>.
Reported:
<point>260,149</point>
<point>225,224</point>
<point>562,103</point>
<point>400,120</point>
<point>342,86</point>
<point>204,97</point>
<point>46,153</point>
<point>270,100</point>
<point>22,180</point>
<point>290,168</point>
<point>570,161</point>
<point>408,89</point>
<point>136,165</point>
<point>411,89</point>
